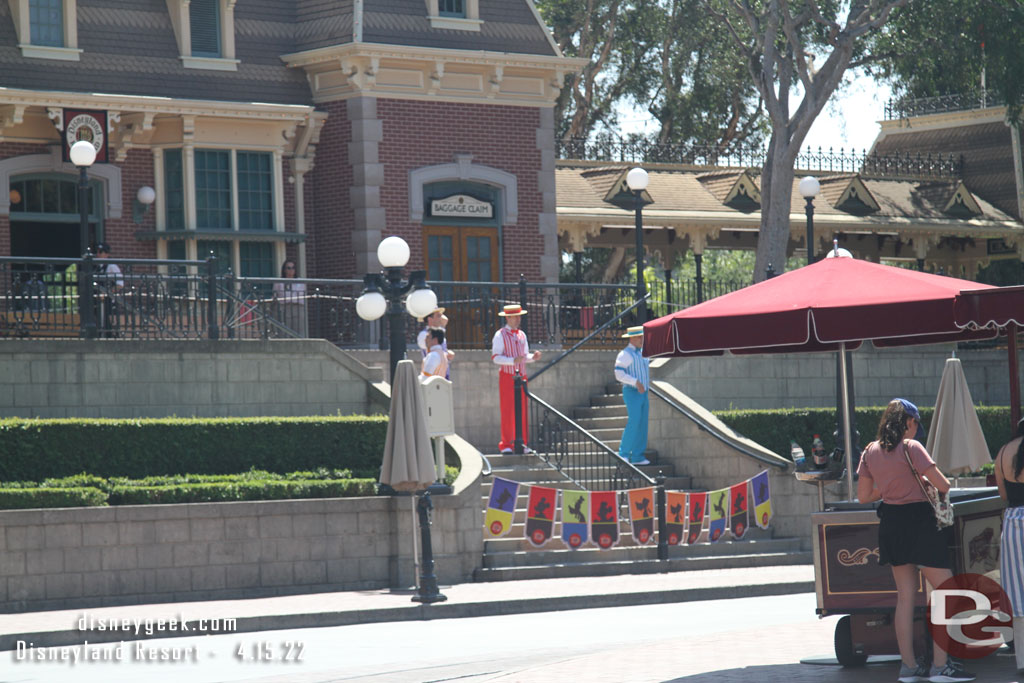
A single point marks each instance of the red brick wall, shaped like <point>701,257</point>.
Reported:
<point>136,171</point>
<point>329,218</point>
<point>418,133</point>
<point>8,150</point>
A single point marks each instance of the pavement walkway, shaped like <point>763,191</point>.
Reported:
<point>64,627</point>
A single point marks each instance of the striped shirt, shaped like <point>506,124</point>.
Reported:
<point>631,367</point>
<point>507,345</point>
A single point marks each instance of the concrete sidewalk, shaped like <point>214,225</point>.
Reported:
<point>64,627</point>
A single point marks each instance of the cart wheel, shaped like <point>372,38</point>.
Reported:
<point>844,645</point>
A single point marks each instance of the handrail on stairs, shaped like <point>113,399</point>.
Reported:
<point>714,431</point>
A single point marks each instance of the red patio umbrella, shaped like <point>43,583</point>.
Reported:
<point>832,305</point>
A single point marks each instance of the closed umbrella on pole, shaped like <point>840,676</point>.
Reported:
<point>408,456</point>
<point>955,439</point>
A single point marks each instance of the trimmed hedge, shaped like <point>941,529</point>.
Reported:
<point>23,498</point>
<point>31,449</point>
<point>242,490</point>
<point>774,429</point>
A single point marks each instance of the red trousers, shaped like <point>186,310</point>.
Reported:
<point>507,400</point>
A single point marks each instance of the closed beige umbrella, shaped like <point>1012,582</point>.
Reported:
<point>955,439</point>
<point>408,457</point>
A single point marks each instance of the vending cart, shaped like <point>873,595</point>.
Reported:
<point>849,580</point>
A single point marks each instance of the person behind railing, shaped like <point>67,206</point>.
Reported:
<point>510,351</point>
<point>1009,469</point>
<point>435,363</point>
<point>109,283</point>
<point>436,319</point>
<point>291,299</point>
<point>30,292</point>
<point>632,370</point>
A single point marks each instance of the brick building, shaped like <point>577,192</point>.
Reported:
<point>271,130</point>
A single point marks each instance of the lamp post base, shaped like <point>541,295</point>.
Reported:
<point>428,591</point>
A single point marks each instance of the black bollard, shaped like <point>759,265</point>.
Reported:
<point>662,517</point>
<point>428,591</point>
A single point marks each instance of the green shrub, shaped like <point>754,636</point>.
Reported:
<point>70,497</point>
<point>39,449</point>
<point>774,429</point>
<point>241,490</point>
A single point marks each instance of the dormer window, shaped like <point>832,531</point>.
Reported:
<point>205,30</point>
<point>459,15</point>
<point>46,29</point>
<point>204,22</point>
<point>452,8</point>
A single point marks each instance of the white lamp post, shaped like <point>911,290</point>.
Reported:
<point>83,154</point>
<point>809,188</point>
<point>382,293</point>
<point>637,180</point>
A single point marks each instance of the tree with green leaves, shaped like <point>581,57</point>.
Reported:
<point>943,47</point>
<point>804,47</point>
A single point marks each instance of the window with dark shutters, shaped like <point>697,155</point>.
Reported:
<point>204,21</point>
<point>451,8</point>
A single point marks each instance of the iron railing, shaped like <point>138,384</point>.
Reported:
<point>822,160</point>
<point>146,299</point>
<point>906,107</point>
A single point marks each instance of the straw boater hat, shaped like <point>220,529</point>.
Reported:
<point>440,309</point>
<point>511,310</point>
<point>634,332</point>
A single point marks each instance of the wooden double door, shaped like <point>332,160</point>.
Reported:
<point>464,254</point>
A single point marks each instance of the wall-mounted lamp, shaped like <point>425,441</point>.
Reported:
<point>15,197</point>
<point>144,199</point>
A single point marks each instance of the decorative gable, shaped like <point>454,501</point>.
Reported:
<point>621,196</point>
<point>856,199</point>
<point>962,204</point>
<point>744,195</point>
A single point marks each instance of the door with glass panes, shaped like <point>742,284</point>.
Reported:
<point>470,255</point>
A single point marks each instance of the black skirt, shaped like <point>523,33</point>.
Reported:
<point>907,535</point>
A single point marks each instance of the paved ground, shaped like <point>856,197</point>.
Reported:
<point>727,644</point>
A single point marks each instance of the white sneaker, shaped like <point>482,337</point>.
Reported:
<point>641,461</point>
<point>506,450</point>
<point>529,451</point>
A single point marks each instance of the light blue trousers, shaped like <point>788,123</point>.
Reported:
<point>634,437</point>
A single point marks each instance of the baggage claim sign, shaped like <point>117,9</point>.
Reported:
<point>461,206</point>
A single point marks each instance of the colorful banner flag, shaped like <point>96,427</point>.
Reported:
<point>719,501</point>
<point>501,507</point>
<point>575,517</point>
<point>739,518</point>
<point>761,492</point>
<point>698,505</point>
<point>675,511</point>
<point>604,524</point>
<point>540,515</point>
<point>641,514</point>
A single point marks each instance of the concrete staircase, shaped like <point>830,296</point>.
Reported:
<point>513,557</point>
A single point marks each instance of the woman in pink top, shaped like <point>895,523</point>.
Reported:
<point>907,536</point>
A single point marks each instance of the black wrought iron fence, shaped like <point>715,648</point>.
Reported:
<point>906,107</point>
<point>107,298</point>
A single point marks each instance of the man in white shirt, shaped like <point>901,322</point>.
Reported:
<point>510,351</point>
<point>632,370</point>
<point>437,319</point>
<point>435,363</point>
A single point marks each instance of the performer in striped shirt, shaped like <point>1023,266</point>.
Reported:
<point>510,351</point>
<point>632,370</point>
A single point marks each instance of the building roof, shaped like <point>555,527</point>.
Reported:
<point>982,138</point>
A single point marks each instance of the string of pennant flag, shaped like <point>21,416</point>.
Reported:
<point>593,516</point>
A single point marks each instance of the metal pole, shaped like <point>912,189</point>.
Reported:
<point>847,440</point>
<point>1011,345</point>
<point>698,262</point>
<point>662,517</point>
<point>83,209</point>
<point>396,321</point>
<point>213,331</point>
<point>641,290</point>
<point>518,445</point>
<point>85,302</point>
<point>809,209</point>
<point>428,591</point>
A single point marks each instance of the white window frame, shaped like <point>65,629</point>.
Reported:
<point>178,10</point>
<point>471,22</point>
<point>23,28</point>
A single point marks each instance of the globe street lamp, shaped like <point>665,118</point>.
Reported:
<point>83,154</point>
<point>809,188</point>
<point>382,293</point>
<point>637,180</point>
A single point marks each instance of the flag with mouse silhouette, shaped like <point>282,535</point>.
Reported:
<point>762,496</point>
<point>501,507</point>
<point>675,516</point>
<point>540,515</point>
<point>717,517</point>
<point>641,514</point>
<point>575,518</point>
<point>604,521</point>
<point>698,505</point>
<point>739,517</point>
